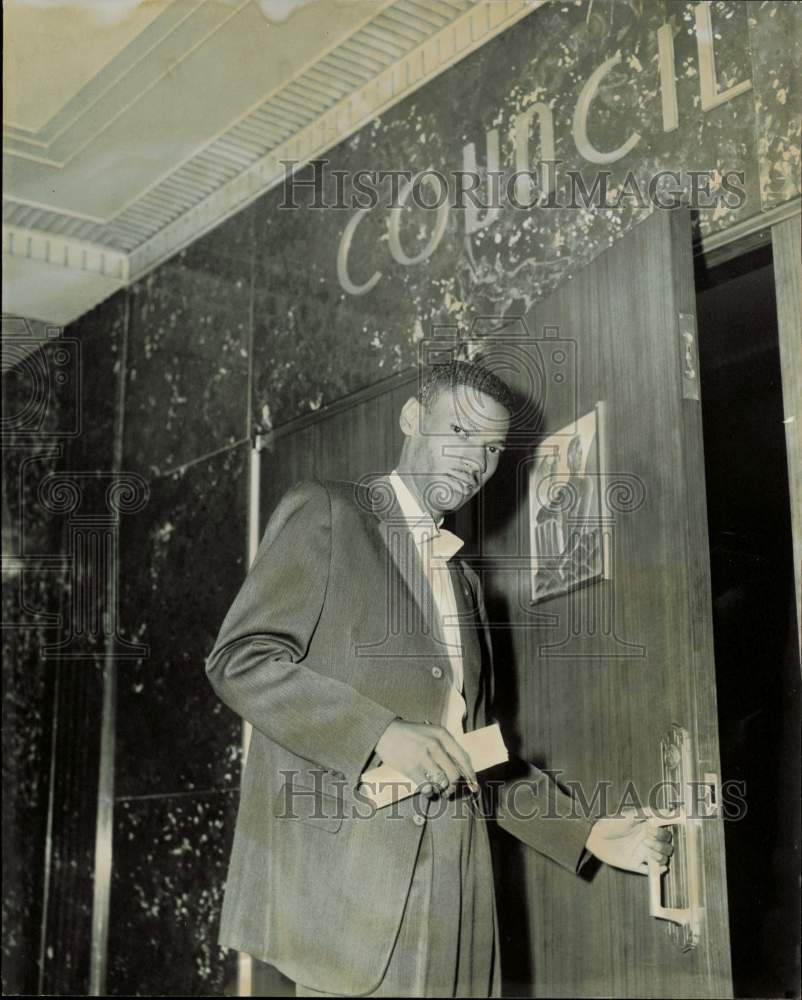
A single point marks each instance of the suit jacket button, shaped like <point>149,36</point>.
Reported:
<point>437,672</point>
<point>418,820</point>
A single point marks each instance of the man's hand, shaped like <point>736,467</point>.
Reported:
<point>428,755</point>
<point>630,841</point>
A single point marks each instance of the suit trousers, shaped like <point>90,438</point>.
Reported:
<point>447,941</point>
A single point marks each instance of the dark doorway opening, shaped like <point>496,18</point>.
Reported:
<point>754,619</point>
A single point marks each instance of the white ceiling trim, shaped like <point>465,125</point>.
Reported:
<point>72,254</point>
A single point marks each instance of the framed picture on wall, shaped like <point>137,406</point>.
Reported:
<point>565,508</point>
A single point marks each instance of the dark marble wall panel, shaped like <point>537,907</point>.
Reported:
<point>170,863</point>
<point>77,701</point>
<point>183,559</point>
<point>27,697</point>
<point>51,426</point>
<point>776,32</point>
<point>100,336</point>
<point>232,238</point>
<point>58,449</point>
<point>78,695</point>
<point>36,423</point>
<point>187,371</point>
<point>311,343</point>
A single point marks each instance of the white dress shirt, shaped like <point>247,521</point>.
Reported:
<point>435,547</point>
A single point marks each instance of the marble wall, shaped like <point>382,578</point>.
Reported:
<point>177,755</point>
<point>251,327</point>
<point>31,604</point>
<point>58,432</point>
<point>177,758</point>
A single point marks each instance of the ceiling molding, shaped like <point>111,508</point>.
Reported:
<point>75,255</point>
<point>396,48</point>
<point>476,26</point>
<point>111,80</point>
<point>177,32</point>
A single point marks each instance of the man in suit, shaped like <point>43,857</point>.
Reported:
<point>357,639</point>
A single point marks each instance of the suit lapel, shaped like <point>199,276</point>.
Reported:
<point>400,543</point>
<point>407,565</point>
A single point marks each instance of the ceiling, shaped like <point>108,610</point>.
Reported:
<point>131,127</point>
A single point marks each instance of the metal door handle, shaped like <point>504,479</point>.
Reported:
<point>682,808</point>
<point>689,916</point>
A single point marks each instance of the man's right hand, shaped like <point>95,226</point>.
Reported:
<point>428,755</point>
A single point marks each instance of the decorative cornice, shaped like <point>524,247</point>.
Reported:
<point>65,252</point>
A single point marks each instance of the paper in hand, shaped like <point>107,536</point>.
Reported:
<point>383,785</point>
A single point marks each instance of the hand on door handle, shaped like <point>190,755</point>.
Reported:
<point>681,915</point>
<point>631,842</point>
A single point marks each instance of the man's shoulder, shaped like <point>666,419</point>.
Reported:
<point>342,495</point>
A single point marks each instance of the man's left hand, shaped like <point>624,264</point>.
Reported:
<point>630,841</point>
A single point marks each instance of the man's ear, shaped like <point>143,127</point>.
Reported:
<point>409,419</point>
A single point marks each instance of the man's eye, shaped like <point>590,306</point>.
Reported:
<point>458,430</point>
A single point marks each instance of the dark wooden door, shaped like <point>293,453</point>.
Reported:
<point>612,682</point>
<point>356,437</point>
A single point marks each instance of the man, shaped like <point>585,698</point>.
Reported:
<point>356,639</point>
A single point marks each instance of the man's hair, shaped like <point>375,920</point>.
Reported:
<point>467,373</point>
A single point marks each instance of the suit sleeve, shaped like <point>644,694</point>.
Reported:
<point>529,804</point>
<point>256,666</point>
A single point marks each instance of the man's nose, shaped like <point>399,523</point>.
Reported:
<point>477,461</point>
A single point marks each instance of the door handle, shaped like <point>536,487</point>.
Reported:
<point>688,916</point>
<point>682,809</point>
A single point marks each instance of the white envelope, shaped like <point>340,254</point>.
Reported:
<point>383,784</point>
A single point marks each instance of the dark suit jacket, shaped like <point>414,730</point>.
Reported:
<point>328,641</point>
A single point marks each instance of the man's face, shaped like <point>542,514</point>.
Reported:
<point>453,447</point>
